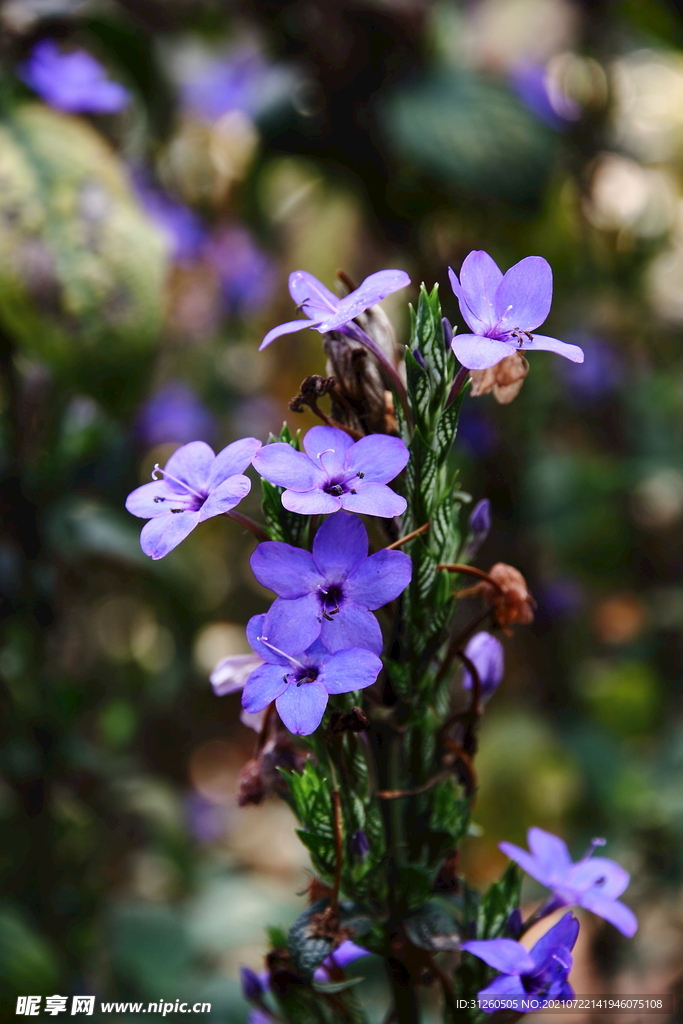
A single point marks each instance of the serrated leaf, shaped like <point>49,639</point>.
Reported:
<point>498,903</point>
<point>450,811</point>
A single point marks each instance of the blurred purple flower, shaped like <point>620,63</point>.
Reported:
<point>479,526</point>
<point>243,80</point>
<point>259,1016</point>
<point>231,673</point>
<point>174,413</point>
<point>195,485</point>
<point>542,97</point>
<point>486,654</point>
<point>600,375</point>
<point>476,432</point>
<point>301,693</point>
<point>540,973</point>
<point>592,882</point>
<point>335,472</point>
<point>253,988</point>
<point>247,274</point>
<point>206,821</point>
<point>360,845</point>
<point>74,82</point>
<point>181,227</point>
<point>331,592</point>
<point>345,953</point>
<point>503,310</point>
<point>325,311</point>
<point>559,598</point>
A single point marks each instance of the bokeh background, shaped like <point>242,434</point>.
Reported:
<point>143,255</point>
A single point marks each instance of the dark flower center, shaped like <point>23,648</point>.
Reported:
<point>330,600</point>
<point>335,489</point>
<point>308,674</point>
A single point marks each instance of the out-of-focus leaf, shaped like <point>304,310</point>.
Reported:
<point>468,130</point>
<point>82,269</point>
<point>27,964</point>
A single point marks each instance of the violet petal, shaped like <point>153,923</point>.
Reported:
<point>286,467</point>
<point>264,685</point>
<point>301,708</point>
<point>161,535</point>
<point>349,670</point>
<point>289,571</point>
<point>379,578</point>
<point>524,295</point>
<point>374,500</point>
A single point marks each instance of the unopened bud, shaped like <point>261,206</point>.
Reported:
<point>360,845</point>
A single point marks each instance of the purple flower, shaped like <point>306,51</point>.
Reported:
<point>598,377</point>
<point>540,973</point>
<point>592,882</point>
<point>243,80</point>
<point>246,273</point>
<point>174,413</point>
<point>330,593</point>
<point>486,654</point>
<point>325,311</point>
<point>345,954</point>
<point>335,472</point>
<point>501,311</point>
<point>194,486</point>
<point>543,97</point>
<point>253,988</point>
<point>74,82</point>
<point>302,690</point>
<point>180,226</point>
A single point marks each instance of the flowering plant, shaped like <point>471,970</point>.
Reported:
<point>367,723</point>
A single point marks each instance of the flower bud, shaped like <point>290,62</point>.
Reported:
<point>479,526</point>
<point>360,845</point>
<point>486,655</point>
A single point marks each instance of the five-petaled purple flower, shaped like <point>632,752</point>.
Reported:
<point>300,683</point>
<point>335,472</point>
<point>330,593</point>
<point>540,973</point>
<point>74,82</point>
<point>325,311</point>
<point>502,311</point>
<point>486,654</point>
<point>195,485</point>
<point>592,882</point>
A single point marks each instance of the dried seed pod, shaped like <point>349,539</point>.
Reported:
<point>505,379</point>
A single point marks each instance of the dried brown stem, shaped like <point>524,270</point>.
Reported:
<point>410,536</point>
<point>397,794</point>
<point>470,570</point>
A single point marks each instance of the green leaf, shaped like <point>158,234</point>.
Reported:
<point>450,811</point>
<point>498,904</point>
